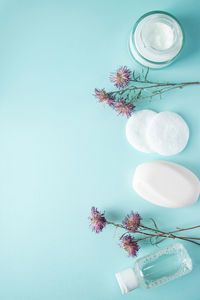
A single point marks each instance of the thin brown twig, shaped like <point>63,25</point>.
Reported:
<point>183,229</point>
<point>156,85</point>
<point>171,235</point>
<point>161,233</point>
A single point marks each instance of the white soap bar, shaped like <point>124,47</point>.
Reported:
<point>166,184</point>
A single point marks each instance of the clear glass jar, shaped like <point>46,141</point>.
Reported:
<point>156,39</point>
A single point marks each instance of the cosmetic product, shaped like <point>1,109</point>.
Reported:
<point>156,39</point>
<point>166,184</point>
<point>167,133</point>
<point>155,269</point>
<point>136,129</point>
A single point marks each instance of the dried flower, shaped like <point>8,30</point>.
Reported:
<point>130,245</point>
<point>121,77</point>
<point>132,221</point>
<point>97,219</point>
<point>124,108</point>
<point>104,97</point>
<point>132,87</point>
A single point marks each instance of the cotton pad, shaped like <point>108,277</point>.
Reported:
<point>136,129</point>
<point>167,133</point>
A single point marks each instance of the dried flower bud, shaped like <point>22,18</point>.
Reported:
<point>123,107</point>
<point>129,244</point>
<point>132,221</point>
<point>97,220</point>
<point>104,97</point>
<point>121,77</point>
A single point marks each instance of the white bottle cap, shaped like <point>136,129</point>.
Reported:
<point>127,280</point>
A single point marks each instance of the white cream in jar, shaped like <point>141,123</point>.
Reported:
<point>156,39</point>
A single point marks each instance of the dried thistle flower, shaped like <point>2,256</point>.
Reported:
<point>132,221</point>
<point>121,77</point>
<point>129,244</point>
<point>124,108</point>
<point>132,224</point>
<point>97,220</point>
<point>132,88</point>
<point>104,97</point>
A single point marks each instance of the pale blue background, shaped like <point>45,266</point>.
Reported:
<point>61,152</point>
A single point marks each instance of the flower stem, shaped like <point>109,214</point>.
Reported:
<point>159,233</point>
<point>116,225</point>
<point>171,235</point>
<point>182,229</point>
<point>156,85</point>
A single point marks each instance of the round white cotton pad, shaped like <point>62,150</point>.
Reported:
<point>168,133</point>
<point>136,130</point>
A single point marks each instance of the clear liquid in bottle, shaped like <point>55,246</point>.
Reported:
<point>157,268</point>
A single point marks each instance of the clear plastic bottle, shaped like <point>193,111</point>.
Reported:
<point>156,268</point>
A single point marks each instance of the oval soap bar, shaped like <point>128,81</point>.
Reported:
<point>166,184</point>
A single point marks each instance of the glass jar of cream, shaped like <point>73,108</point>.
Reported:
<point>156,39</point>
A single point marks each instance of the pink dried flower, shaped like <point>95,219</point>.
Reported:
<point>130,245</point>
<point>104,97</point>
<point>132,221</point>
<point>121,77</point>
<point>97,220</point>
<point>124,108</point>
